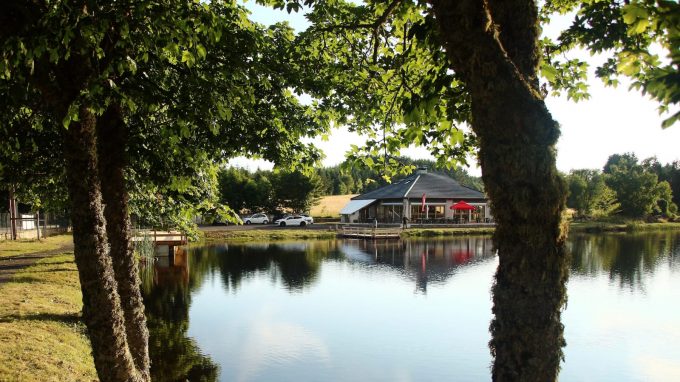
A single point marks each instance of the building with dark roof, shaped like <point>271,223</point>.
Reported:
<point>422,196</point>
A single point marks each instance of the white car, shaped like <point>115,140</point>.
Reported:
<point>256,219</point>
<point>308,219</point>
<point>292,220</point>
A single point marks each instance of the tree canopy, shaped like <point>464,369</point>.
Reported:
<point>140,97</point>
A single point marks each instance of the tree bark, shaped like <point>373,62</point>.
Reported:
<point>101,303</point>
<point>517,137</point>
<point>111,142</point>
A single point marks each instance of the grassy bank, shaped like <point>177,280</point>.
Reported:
<point>454,231</point>
<point>303,234</point>
<point>9,248</point>
<point>631,226</point>
<point>267,234</point>
<point>41,335</point>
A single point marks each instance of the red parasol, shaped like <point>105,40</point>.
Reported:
<point>462,206</point>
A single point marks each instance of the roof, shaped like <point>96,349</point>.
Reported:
<point>432,184</point>
<point>355,205</point>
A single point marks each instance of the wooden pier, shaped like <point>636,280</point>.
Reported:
<point>170,238</point>
<point>369,232</point>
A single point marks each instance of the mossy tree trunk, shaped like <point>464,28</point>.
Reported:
<point>102,311</point>
<point>492,46</point>
<point>111,144</point>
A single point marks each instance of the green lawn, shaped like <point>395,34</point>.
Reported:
<point>9,248</point>
<point>41,335</point>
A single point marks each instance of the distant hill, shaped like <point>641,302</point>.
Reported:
<point>330,206</point>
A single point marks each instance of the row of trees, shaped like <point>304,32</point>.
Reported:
<point>269,191</point>
<point>279,191</point>
<point>350,177</point>
<point>627,187</point>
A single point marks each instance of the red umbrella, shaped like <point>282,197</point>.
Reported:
<point>462,206</point>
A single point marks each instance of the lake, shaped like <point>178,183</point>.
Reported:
<point>402,310</point>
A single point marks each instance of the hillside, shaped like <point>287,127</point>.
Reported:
<point>330,206</point>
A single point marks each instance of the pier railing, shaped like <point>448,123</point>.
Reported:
<point>370,232</point>
<point>161,237</point>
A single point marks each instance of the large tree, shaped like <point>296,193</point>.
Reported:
<point>413,72</point>
<point>147,91</point>
<point>637,188</point>
<point>586,189</point>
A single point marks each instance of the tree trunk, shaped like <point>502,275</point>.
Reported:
<point>101,303</point>
<point>517,136</point>
<point>111,141</point>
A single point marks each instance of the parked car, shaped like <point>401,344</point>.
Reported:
<point>256,219</point>
<point>308,219</point>
<point>292,220</point>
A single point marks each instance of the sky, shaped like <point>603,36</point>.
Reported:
<point>612,121</point>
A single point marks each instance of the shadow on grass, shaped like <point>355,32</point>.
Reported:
<point>73,318</point>
<point>51,270</point>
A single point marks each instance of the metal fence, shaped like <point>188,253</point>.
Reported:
<point>33,226</point>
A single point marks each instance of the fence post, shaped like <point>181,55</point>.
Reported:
<point>37,223</point>
<point>13,213</point>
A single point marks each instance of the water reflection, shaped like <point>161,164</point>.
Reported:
<point>338,310</point>
<point>424,261</point>
<point>172,281</point>
<point>626,258</point>
<point>167,287</point>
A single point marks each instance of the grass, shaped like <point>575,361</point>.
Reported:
<point>268,234</point>
<point>454,231</point>
<point>624,226</point>
<point>330,206</point>
<point>9,248</point>
<point>302,234</point>
<point>41,335</point>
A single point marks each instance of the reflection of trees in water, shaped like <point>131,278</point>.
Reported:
<point>167,296</point>
<point>626,257</point>
<point>425,261</point>
<point>296,264</point>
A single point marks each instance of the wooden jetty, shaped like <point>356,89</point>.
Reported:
<point>170,238</point>
<point>370,232</point>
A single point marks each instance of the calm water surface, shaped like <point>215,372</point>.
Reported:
<point>352,310</point>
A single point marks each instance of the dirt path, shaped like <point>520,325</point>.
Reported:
<point>10,265</point>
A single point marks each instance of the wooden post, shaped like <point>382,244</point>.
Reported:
<point>37,223</point>
<point>13,213</point>
<point>45,225</point>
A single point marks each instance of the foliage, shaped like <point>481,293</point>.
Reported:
<point>269,191</point>
<point>669,172</point>
<point>586,189</point>
<point>214,87</point>
<point>380,70</point>
<point>637,189</point>
<point>628,34</point>
<point>182,85</point>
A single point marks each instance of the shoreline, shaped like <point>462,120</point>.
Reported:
<point>327,231</point>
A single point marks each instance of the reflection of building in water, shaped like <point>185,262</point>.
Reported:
<point>425,261</point>
<point>172,269</point>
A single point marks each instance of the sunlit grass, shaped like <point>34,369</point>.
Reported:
<point>629,226</point>
<point>330,206</point>
<point>9,248</point>
<point>41,335</point>
<point>268,234</point>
